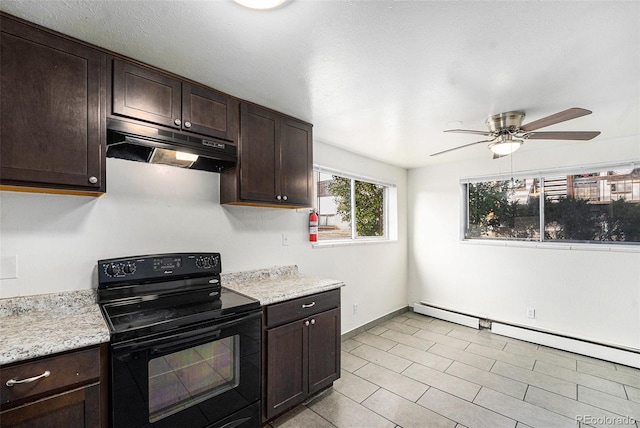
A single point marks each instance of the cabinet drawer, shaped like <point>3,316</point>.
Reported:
<point>302,307</point>
<point>65,370</point>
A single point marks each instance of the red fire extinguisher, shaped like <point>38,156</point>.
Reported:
<point>313,226</point>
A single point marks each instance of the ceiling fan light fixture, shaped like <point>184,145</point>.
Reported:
<point>260,4</point>
<point>505,147</point>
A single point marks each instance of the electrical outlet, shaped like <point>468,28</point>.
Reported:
<point>285,239</point>
<point>531,313</point>
<point>355,309</point>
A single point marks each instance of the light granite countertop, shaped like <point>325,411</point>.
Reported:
<point>40,325</point>
<point>35,326</point>
<point>277,284</point>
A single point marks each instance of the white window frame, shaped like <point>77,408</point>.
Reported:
<point>541,242</point>
<point>390,200</point>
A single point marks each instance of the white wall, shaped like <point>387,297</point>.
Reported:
<point>585,294</point>
<point>155,208</point>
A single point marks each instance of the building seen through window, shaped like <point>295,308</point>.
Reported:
<point>600,206</point>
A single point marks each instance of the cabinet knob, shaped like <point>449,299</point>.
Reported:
<point>279,197</point>
<point>177,122</point>
<point>285,197</point>
<point>306,323</point>
<point>313,321</point>
<point>187,124</point>
<point>93,179</point>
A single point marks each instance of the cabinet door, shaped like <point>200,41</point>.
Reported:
<point>287,369</point>
<point>259,133</point>
<point>52,121</point>
<point>209,112</point>
<point>144,94</point>
<point>77,408</point>
<point>296,162</point>
<point>324,350</point>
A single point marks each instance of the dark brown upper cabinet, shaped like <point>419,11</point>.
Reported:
<point>148,95</point>
<point>275,161</point>
<point>53,108</point>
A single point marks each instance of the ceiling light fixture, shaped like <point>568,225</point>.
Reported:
<point>505,145</point>
<point>260,4</point>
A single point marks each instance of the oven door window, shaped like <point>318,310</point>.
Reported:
<point>184,378</point>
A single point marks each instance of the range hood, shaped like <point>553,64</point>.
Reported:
<point>141,143</point>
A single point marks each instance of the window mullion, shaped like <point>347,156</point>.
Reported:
<point>541,207</point>
<point>353,209</point>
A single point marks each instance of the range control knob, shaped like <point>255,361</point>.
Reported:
<point>129,268</point>
<point>206,262</point>
<point>112,269</point>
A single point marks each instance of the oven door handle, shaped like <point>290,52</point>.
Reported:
<point>179,340</point>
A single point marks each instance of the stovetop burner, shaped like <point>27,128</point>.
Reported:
<point>136,319</point>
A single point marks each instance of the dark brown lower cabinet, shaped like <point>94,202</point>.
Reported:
<point>324,350</point>
<point>77,408</point>
<point>61,390</point>
<point>287,367</point>
<point>302,357</point>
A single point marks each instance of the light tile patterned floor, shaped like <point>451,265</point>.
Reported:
<point>417,371</point>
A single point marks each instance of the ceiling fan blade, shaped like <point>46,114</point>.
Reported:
<point>564,135</point>
<point>460,147</point>
<point>497,156</point>
<point>467,131</point>
<point>562,116</point>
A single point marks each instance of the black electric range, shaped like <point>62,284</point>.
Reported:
<point>184,350</point>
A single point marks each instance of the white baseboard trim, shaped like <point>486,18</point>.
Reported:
<point>446,315</point>
<point>603,352</point>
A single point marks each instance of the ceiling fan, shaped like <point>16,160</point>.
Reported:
<point>507,133</point>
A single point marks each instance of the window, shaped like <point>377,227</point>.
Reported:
<point>504,209</point>
<point>351,207</point>
<point>601,205</point>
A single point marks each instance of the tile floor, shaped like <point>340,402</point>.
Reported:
<point>417,371</point>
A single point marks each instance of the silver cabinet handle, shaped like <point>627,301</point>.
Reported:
<point>187,124</point>
<point>278,197</point>
<point>313,321</point>
<point>306,323</point>
<point>177,122</point>
<point>93,179</point>
<point>310,305</point>
<point>285,197</point>
<point>12,382</point>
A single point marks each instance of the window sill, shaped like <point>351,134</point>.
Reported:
<point>623,248</point>
<point>330,244</point>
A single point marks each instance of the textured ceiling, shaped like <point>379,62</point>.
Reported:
<point>385,78</point>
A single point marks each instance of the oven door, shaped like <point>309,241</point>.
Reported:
<point>204,376</point>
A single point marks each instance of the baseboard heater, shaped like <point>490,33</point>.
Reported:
<point>577,346</point>
<point>447,315</point>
